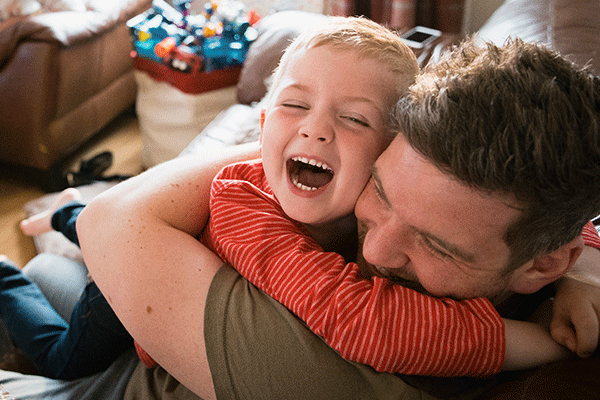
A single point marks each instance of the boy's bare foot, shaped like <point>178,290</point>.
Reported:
<point>41,223</point>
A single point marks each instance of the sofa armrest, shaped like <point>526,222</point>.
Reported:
<point>67,28</point>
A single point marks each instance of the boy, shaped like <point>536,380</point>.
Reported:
<point>322,131</point>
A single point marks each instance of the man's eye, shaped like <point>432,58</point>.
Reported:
<point>434,249</point>
<point>377,190</point>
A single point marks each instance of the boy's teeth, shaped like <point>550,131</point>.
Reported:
<point>301,186</point>
<point>314,163</point>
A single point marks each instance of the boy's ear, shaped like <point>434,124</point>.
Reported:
<point>546,268</point>
<point>262,123</point>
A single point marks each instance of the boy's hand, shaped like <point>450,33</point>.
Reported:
<point>576,310</point>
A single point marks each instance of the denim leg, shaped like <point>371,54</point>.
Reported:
<point>95,338</point>
<point>90,343</point>
<point>63,220</point>
<point>61,280</point>
<point>32,322</point>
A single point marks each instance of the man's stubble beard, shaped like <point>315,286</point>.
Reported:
<point>397,276</point>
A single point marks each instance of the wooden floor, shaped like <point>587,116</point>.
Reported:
<point>122,138</point>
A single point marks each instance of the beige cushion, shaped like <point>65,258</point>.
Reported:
<point>570,27</point>
<point>275,32</point>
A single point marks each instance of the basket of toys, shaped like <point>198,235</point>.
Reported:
<point>179,58</point>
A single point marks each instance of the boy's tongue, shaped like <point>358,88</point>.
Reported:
<point>312,178</point>
<point>309,175</point>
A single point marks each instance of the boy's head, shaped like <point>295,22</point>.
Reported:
<point>363,36</point>
<point>519,121</point>
<point>328,115</point>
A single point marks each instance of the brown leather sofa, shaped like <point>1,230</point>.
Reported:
<point>570,27</point>
<point>63,77</point>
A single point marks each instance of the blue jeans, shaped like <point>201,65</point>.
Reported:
<point>62,281</point>
<point>92,340</point>
<point>89,343</point>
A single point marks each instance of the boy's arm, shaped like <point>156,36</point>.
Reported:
<point>138,241</point>
<point>251,232</point>
<point>575,319</point>
<point>529,345</point>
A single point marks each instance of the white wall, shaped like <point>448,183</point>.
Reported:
<point>477,12</point>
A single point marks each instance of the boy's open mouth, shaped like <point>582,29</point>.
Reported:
<point>308,174</point>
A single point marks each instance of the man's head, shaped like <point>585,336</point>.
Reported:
<point>327,117</point>
<point>505,149</point>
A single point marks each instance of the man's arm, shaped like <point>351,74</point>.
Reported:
<point>139,243</point>
<point>575,318</point>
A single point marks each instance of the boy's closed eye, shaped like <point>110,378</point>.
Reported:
<point>357,120</point>
<point>298,105</point>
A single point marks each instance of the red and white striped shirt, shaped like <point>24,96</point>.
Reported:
<point>373,322</point>
<point>389,327</point>
<point>590,235</point>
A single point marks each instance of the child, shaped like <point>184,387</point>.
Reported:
<point>322,130</point>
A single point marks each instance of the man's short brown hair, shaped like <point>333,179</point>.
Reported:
<point>516,120</point>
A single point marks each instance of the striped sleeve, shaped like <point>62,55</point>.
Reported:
<point>391,328</point>
<point>590,235</point>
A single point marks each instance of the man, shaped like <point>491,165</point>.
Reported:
<point>504,140</point>
<point>448,225</point>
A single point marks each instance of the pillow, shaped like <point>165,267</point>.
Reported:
<point>570,27</point>
<point>275,32</point>
<point>576,31</point>
<point>63,5</point>
<point>17,8</point>
<point>525,19</point>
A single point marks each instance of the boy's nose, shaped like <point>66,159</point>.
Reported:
<point>318,130</point>
<point>321,137</point>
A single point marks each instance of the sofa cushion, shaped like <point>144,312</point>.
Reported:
<point>576,31</point>
<point>527,19</point>
<point>275,32</point>
<point>570,27</point>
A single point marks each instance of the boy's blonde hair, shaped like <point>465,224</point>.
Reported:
<point>369,39</point>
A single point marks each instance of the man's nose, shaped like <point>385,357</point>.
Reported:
<point>390,241</point>
<point>401,261</point>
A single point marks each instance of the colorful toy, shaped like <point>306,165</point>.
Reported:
<point>218,38</point>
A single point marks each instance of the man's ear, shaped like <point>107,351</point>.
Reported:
<point>546,268</point>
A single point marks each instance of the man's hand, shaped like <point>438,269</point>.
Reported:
<point>576,310</point>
